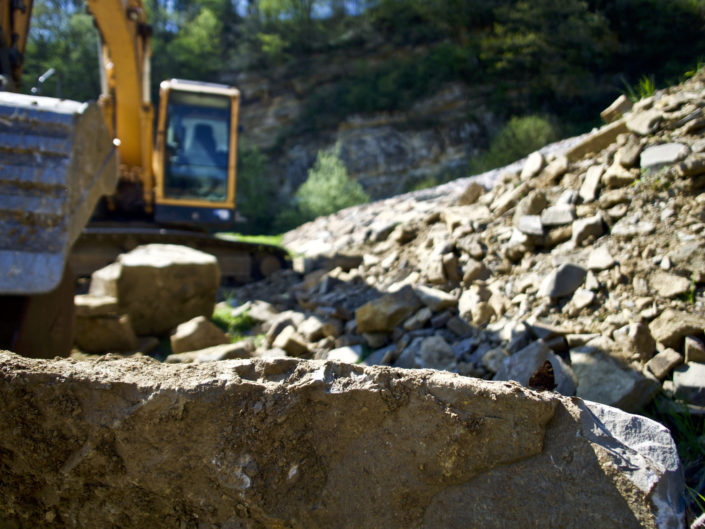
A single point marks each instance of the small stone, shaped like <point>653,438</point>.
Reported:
<point>636,340</point>
<point>509,198</point>
<point>292,342</point>
<point>672,326</point>
<point>600,259</point>
<point>596,141</point>
<point>418,320</point>
<point>347,355</point>
<point>582,298</point>
<point>668,285</point>
<point>591,183</point>
<point>558,235</point>
<point>451,267</point>
<point>530,225</point>
<point>472,192</point>
<point>689,382</point>
<point>459,326</point>
<point>555,170</point>
<point>613,197</point>
<point>492,360</point>
<point>656,156</point>
<point>602,379</point>
<point>644,123</point>
<point>587,229</point>
<point>617,176</point>
<point>628,155</point>
<point>482,313</point>
<point>558,215</point>
<point>619,106</point>
<point>531,204</point>
<point>691,257</point>
<point>563,281</point>
<point>388,311</point>
<point>694,350</point>
<point>533,165</point>
<point>195,334</point>
<point>435,299</point>
<point>471,297</point>
<point>474,270</point>
<point>311,329</point>
<point>375,340</point>
<point>216,353</point>
<point>435,353</point>
<point>663,363</point>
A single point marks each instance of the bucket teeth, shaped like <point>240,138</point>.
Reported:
<point>56,160</point>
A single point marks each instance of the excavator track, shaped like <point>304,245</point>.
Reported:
<point>240,262</point>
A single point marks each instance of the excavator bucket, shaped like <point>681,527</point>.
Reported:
<point>56,160</point>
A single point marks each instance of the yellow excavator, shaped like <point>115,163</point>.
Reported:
<point>63,163</point>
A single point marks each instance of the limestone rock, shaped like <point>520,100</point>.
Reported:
<point>691,257</point>
<point>596,141</point>
<point>558,215</point>
<point>586,229</point>
<point>292,342</point>
<point>435,299</point>
<point>689,383</point>
<point>473,191</point>
<point>672,326</point>
<point>602,379</point>
<point>694,350</point>
<point>197,333</point>
<point>100,328</point>
<point>349,354</point>
<point>619,106</point>
<point>533,165</point>
<point>600,259</point>
<point>386,312</point>
<point>252,443</point>
<point>656,156</point>
<point>563,281</point>
<point>435,353</point>
<point>230,351</point>
<point>160,286</point>
<point>663,363</point>
<point>591,183</point>
<point>644,123</point>
<point>636,340</point>
<point>668,285</point>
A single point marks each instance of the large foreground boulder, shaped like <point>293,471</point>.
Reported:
<point>287,443</point>
<point>160,286</point>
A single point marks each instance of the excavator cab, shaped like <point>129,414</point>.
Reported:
<point>195,153</point>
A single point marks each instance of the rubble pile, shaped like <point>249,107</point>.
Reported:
<point>592,258</point>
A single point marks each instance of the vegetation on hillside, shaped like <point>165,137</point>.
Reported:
<point>562,60</point>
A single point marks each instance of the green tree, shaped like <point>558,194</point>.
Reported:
<point>255,193</point>
<point>64,38</point>
<point>327,189</point>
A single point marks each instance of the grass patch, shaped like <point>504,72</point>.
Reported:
<point>272,240</point>
<point>237,325</point>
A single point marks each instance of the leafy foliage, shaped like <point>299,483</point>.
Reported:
<point>519,137</point>
<point>66,43</point>
<point>327,189</point>
<point>256,196</point>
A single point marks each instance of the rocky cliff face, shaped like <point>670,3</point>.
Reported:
<point>386,152</point>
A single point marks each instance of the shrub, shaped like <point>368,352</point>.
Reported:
<point>519,137</point>
<point>327,189</point>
